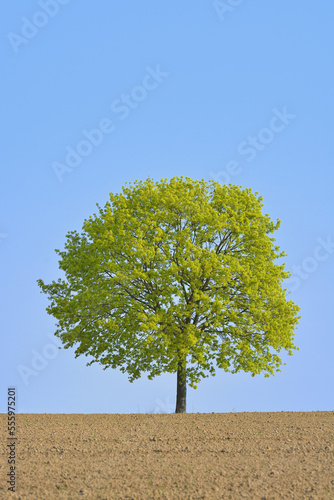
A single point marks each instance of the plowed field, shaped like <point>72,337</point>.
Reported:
<point>175,456</point>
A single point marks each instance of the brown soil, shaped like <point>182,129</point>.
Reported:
<point>174,456</point>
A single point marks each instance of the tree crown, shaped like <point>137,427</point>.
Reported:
<point>171,271</point>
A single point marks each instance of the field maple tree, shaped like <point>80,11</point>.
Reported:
<point>174,277</point>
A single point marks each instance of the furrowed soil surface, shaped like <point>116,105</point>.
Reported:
<point>174,456</point>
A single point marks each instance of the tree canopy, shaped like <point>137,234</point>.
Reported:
<point>175,277</point>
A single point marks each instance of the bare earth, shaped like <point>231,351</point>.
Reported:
<point>174,456</point>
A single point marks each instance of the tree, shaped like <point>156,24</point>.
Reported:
<point>169,277</point>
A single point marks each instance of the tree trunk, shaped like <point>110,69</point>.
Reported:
<point>181,389</point>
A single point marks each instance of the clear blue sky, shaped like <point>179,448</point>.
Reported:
<point>240,94</point>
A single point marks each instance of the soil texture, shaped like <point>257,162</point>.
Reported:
<point>174,456</point>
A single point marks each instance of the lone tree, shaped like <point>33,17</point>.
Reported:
<point>171,276</point>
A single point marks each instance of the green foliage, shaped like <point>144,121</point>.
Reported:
<point>175,271</point>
